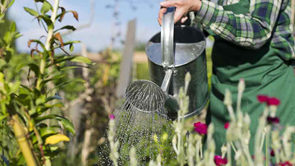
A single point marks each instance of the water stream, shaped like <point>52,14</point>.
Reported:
<point>141,122</point>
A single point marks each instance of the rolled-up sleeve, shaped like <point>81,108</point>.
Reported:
<point>251,30</point>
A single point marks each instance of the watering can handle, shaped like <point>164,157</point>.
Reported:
<point>167,36</point>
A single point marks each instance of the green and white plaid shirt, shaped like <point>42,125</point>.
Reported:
<point>267,20</point>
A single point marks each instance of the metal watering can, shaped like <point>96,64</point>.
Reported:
<point>171,54</point>
<point>179,50</point>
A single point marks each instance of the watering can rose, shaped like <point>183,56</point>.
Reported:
<point>200,128</point>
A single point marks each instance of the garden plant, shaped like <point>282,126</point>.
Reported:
<point>273,142</point>
<point>30,130</point>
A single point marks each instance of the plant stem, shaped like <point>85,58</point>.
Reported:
<point>263,137</point>
<point>49,34</point>
<point>233,146</point>
<point>198,151</point>
<point>229,153</point>
<point>20,135</point>
<point>231,113</point>
<point>266,145</point>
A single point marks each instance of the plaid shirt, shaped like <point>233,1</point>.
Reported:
<point>266,20</point>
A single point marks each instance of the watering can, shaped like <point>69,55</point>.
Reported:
<point>171,54</point>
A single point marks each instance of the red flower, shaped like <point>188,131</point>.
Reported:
<point>287,163</point>
<point>273,101</point>
<point>220,161</point>
<point>200,128</point>
<point>274,120</point>
<point>262,98</point>
<point>272,153</point>
<point>268,100</point>
<point>226,126</point>
<point>112,116</point>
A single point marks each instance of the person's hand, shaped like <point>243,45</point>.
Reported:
<point>183,7</point>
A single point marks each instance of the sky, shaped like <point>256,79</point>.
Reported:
<point>98,35</point>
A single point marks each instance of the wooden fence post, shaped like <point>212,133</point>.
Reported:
<point>127,60</point>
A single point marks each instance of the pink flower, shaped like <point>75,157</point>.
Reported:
<point>201,128</point>
<point>226,126</point>
<point>220,161</point>
<point>273,120</point>
<point>286,163</point>
<point>268,100</point>
<point>262,98</point>
<point>273,101</point>
<point>112,116</point>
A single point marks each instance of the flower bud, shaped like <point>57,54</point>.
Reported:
<point>188,77</point>
<point>227,98</point>
<point>241,86</point>
<point>223,150</point>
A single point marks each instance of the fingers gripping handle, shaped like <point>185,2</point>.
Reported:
<point>167,35</point>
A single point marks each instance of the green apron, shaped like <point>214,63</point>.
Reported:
<point>264,72</point>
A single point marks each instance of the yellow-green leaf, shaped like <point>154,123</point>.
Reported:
<point>54,139</point>
<point>81,59</point>
<point>46,7</point>
<point>10,4</point>
<point>31,11</point>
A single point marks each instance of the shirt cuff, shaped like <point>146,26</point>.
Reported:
<point>206,13</point>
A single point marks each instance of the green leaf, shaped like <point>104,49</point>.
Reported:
<point>46,7</point>
<point>45,131</point>
<point>24,99</point>
<point>14,87</point>
<point>68,27</point>
<point>12,27</point>
<point>3,64</point>
<point>17,35</point>
<point>64,121</point>
<point>47,20</point>
<point>36,41</point>
<point>32,66</point>
<point>55,97</point>
<point>74,67</point>
<point>51,79</point>
<point>71,42</point>
<point>81,59</point>
<point>41,109</point>
<point>7,37</point>
<point>3,117</point>
<point>71,47</point>
<point>31,11</point>
<point>67,82</point>
<point>10,4</point>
